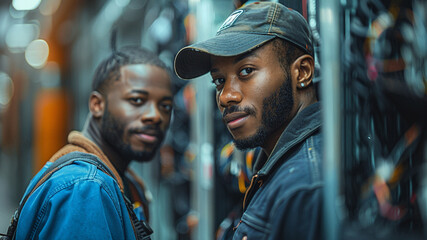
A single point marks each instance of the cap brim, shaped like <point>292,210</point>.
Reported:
<point>195,60</point>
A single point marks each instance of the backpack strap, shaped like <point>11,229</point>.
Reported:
<point>142,229</point>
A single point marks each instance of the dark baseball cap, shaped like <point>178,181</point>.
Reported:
<point>244,30</point>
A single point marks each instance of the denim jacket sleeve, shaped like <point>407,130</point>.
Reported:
<point>77,202</point>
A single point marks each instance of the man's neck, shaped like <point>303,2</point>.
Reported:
<point>92,131</point>
<point>275,136</point>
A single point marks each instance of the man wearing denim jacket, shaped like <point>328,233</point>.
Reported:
<point>130,110</point>
<point>262,64</point>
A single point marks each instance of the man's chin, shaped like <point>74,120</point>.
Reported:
<point>244,144</point>
<point>142,156</point>
<point>253,141</point>
<point>143,160</point>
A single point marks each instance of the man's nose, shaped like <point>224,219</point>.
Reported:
<point>230,94</point>
<point>151,113</point>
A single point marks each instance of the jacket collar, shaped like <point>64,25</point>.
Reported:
<point>300,128</point>
<point>78,142</point>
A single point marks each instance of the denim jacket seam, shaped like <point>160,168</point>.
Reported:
<point>313,158</point>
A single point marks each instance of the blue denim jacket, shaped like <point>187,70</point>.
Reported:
<point>284,200</point>
<point>77,202</point>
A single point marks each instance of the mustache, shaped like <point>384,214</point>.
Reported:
<point>236,108</point>
<point>152,130</point>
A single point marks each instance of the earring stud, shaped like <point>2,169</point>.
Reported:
<point>302,85</point>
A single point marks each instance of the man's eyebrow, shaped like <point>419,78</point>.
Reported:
<point>139,91</point>
<point>245,55</point>
<point>166,98</point>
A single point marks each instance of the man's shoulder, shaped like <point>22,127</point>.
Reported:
<point>79,172</point>
<point>76,190</point>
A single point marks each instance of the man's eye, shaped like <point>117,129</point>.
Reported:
<point>218,81</point>
<point>136,101</point>
<point>246,71</point>
<point>167,107</point>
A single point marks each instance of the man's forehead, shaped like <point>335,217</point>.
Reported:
<point>150,73</point>
<point>136,69</point>
<point>143,78</point>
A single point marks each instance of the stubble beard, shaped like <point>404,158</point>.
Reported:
<point>112,131</point>
<point>276,110</point>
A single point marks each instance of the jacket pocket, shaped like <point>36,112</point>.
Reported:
<point>252,227</point>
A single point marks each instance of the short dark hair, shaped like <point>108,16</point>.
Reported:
<point>109,69</point>
<point>286,53</point>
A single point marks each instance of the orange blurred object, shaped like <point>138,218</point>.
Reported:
<point>51,124</point>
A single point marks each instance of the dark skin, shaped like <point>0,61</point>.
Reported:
<point>141,98</point>
<point>246,80</point>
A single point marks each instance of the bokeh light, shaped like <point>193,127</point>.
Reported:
<point>37,53</point>
<point>6,89</point>
<point>23,5</point>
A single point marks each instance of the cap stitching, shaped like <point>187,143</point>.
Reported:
<point>273,18</point>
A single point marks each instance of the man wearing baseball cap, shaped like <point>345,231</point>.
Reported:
<point>262,64</point>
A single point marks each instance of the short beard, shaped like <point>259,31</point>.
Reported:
<point>276,110</point>
<point>112,130</point>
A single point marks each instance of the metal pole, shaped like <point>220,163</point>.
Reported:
<point>330,98</point>
<point>202,125</point>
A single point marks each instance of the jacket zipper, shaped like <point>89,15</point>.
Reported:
<point>234,229</point>
<point>250,188</point>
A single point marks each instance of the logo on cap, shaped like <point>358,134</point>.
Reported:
<point>230,20</point>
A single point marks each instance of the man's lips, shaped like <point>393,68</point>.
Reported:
<point>235,119</point>
<point>148,136</point>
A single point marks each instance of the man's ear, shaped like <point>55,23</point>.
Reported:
<point>96,104</point>
<point>304,68</point>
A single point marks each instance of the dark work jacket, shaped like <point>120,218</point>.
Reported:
<point>284,200</point>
